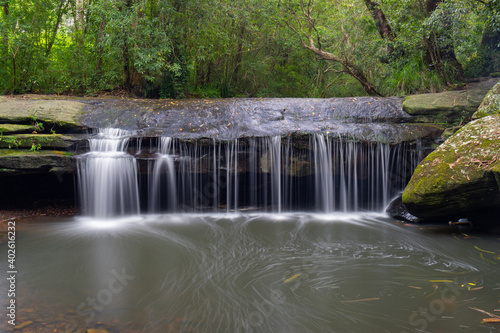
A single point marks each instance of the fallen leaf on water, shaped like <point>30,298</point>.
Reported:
<point>485,312</point>
<point>441,281</point>
<point>361,300</point>
<point>477,248</point>
<point>291,278</point>
<point>490,320</point>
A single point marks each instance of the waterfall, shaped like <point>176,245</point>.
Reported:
<point>162,185</point>
<point>325,174</point>
<point>107,176</point>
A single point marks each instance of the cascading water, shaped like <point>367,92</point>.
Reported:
<point>107,176</point>
<point>265,174</point>
<point>162,178</point>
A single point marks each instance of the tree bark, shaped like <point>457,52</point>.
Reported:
<point>239,51</point>
<point>127,77</point>
<point>63,4</point>
<point>98,42</point>
<point>381,22</point>
<point>6,7</point>
<point>6,14</point>
<point>347,67</point>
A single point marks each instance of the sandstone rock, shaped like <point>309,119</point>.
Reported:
<point>461,178</point>
<point>14,161</point>
<point>40,141</point>
<point>450,107</point>
<point>490,104</point>
<point>54,113</point>
<point>7,129</point>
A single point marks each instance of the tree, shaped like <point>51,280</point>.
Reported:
<point>438,38</point>
<point>344,50</point>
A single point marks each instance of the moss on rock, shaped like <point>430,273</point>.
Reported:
<point>490,104</point>
<point>461,175</point>
<point>7,129</point>
<point>43,141</point>
<point>452,107</point>
<point>25,161</point>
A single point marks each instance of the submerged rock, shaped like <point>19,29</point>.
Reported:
<point>397,209</point>
<point>461,178</point>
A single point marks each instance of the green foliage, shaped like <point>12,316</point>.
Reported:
<point>38,125</point>
<point>410,76</point>
<point>35,147</point>
<point>246,48</point>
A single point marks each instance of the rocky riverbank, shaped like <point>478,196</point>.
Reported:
<point>41,135</point>
<point>461,178</point>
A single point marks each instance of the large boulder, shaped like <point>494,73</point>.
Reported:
<point>461,178</point>
<point>451,107</point>
<point>490,104</point>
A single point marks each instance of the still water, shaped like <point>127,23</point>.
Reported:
<point>252,273</point>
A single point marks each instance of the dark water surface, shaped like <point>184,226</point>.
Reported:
<point>252,273</point>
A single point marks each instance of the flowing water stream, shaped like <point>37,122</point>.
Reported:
<point>290,272</point>
<point>248,236</point>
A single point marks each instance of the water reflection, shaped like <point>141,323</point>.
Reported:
<point>253,273</point>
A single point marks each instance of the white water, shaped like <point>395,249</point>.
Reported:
<point>260,174</point>
<point>107,176</point>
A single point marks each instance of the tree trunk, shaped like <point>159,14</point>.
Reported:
<point>6,8</point>
<point>239,51</point>
<point>378,15</point>
<point>347,67</point>
<point>62,7</point>
<point>6,14</point>
<point>127,77</point>
<point>98,42</point>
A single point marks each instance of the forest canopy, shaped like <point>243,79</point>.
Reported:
<point>246,48</point>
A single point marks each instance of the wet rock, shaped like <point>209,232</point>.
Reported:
<point>490,104</point>
<point>15,161</point>
<point>37,141</point>
<point>452,107</point>
<point>461,178</point>
<point>397,209</point>
<point>227,119</point>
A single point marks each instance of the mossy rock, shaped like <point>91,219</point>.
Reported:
<point>460,177</point>
<point>39,141</point>
<point>451,107</point>
<point>26,161</point>
<point>490,104</point>
<point>6,129</point>
<point>62,115</point>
